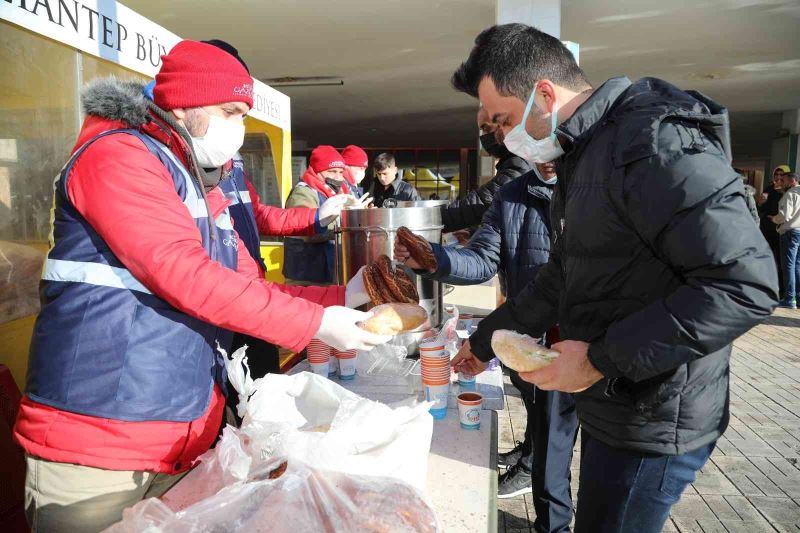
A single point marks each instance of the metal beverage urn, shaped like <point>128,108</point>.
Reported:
<point>366,234</point>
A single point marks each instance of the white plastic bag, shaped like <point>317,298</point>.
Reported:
<point>281,496</point>
<point>313,419</point>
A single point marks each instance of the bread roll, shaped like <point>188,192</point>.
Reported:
<point>394,318</point>
<point>521,352</point>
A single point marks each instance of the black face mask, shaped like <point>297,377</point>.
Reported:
<point>336,185</point>
<point>492,146</point>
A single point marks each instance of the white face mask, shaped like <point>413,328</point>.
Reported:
<point>222,140</point>
<point>358,175</point>
<point>519,142</point>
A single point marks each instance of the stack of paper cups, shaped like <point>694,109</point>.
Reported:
<point>435,366</point>
<point>319,357</point>
<point>347,364</point>
<point>333,367</point>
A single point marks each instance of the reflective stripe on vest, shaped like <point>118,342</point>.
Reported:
<point>104,345</point>
<point>91,273</point>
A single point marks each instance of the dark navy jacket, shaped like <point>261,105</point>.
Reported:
<point>514,239</point>
<point>244,219</point>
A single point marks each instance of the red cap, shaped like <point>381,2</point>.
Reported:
<point>355,156</point>
<point>195,74</point>
<point>324,157</point>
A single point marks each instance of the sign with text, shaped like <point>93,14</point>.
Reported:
<point>108,29</point>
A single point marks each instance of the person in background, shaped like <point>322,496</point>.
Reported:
<point>310,261</point>
<point>654,270</point>
<point>144,278</point>
<point>468,211</point>
<point>387,189</point>
<point>357,162</point>
<point>513,240</point>
<point>769,208</point>
<point>750,197</point>
<point>788,221</point>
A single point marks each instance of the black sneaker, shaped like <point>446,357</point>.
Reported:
<point>510,458</point>
<point>514,482</point>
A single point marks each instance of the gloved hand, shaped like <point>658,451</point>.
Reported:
<point>355,294</point>
<point>339,330</point>
<point>360,203</point>
<point>332,207</point>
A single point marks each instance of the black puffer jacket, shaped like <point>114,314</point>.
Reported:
<point>655,262</point>
<point>468,211</point>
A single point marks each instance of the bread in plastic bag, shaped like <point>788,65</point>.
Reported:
<point>289,496</point>
<point>20,272</point>
<point>521,352</point>
<point>313,419</point>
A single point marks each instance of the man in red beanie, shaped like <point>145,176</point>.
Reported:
<point>309,261</point>
<point>144,277</point>
<point>357,162</point>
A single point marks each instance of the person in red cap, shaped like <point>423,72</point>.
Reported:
<point>357,162</point>
<point>145,276</point>
<point>309,260</point>
<point>253,219</point>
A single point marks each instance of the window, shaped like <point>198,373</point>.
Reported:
<point>39,122</point>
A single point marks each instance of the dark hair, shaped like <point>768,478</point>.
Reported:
<point>516,56</point>
<point>222,45</point>
<point>791,176</point>
<point>383,161</point>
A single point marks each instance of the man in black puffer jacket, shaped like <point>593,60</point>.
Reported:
<point>514,240</point>
<point>468,211</point>
<point>655,269</point>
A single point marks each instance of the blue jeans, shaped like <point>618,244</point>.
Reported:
<point>555,429</point>
<point>790,242</point>
<point>624,491</point>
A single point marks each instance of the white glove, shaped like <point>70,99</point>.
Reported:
<point>331,208</point>
<point>339,330</point>
<point>359,203</point>
<point>355,294</point>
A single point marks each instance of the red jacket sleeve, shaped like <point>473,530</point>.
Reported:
<point>290,222</point>
<point>127,196</point>
<point>325,296</point>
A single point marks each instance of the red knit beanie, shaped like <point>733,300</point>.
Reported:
<point>196,74</point>
<point>324,157</point>
<point>355,156</point>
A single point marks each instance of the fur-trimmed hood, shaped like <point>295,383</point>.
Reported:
<point>115,99</point>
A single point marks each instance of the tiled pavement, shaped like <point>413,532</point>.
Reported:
<point>752,482</point>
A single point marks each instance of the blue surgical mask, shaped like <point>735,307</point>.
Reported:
<point>519,141</point>
<point>551,181</point>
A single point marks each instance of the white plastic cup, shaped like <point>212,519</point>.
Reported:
<point>465,320</point>
<point>466,379</point>
<point>333,368</point>
<point>321,369</point>
<point>437,394</point>
<point>469,410</point>
<point>347,368</point>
